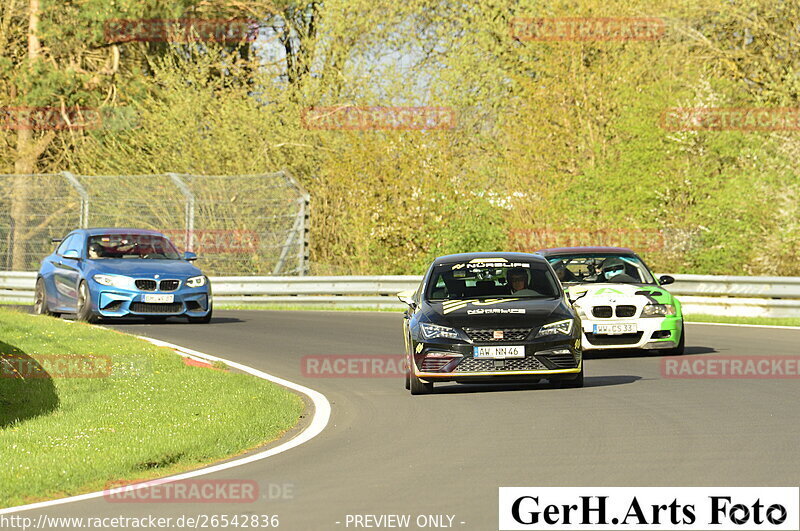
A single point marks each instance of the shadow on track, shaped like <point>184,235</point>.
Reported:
<point>590,381</point>
<point>131,320</point>
<point>26,389</point>
<point>168,321</point>
<point>633,353</point>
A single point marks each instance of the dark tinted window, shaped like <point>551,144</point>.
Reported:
<point>492,277</point>
<point>138,246</point>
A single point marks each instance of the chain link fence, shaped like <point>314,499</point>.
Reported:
<point>238,225</point>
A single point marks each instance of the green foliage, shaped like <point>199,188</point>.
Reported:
<point>550,135</point>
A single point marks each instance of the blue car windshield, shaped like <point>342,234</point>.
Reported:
<point>133,246</point>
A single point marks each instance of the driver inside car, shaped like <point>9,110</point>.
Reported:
<point>563,274</point>
<point>95,251</point>
<point>613,270</point>
<point>517,279</point>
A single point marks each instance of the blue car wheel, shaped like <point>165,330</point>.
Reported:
<point>85,312</point>
<point>40,299</point>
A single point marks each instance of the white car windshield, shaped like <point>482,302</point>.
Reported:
<point>600,268</point>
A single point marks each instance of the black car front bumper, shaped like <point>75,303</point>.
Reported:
<point>442,360</point>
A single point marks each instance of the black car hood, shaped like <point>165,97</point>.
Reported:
<point>505,312</point>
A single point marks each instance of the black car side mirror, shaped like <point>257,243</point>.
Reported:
<point>408,298</point>
<point>666,279</point>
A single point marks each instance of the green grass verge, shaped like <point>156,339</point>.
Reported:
<point>152,416</point>
<point>774,321</point>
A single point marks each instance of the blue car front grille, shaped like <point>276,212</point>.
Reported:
<point>146,285</point>
<point>152,307</point>
<point>169,285</point>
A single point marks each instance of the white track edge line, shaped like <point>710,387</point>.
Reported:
<point>745,325</point>
<point>322,414</point>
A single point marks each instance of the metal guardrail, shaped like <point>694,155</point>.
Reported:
<point>715,295</point>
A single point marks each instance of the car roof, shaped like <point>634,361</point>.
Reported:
<point>118,230</point>
<point>554,251</point>
<point>465,257</point>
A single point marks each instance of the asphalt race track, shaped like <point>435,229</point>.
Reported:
<point>386,452</point>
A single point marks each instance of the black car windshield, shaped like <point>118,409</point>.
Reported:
<point>491,277</point>
<point>597,268</point>
<point>137,246</point>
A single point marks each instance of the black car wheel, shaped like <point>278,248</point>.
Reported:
<point>417,386</point>
<point>681,348</point>
<point>40,300</point>
<point>575,382</point>
<point>408,374</point>
<point>205,319</point>
<point>85,312</point>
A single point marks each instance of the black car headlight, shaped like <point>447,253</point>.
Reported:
<point>559,327</point>
<point>433,331</point>
<point>658,310</point>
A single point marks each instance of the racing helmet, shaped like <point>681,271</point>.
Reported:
<point>95,250</point>
<point>612,267</point>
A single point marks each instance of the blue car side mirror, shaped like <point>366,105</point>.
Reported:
<point>72,254</point>
<point>189,256</point>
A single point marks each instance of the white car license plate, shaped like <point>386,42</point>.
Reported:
<point>500,353</point>
<point>154,297</point>
<point>615,329</point>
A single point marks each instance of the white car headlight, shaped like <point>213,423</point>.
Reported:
<point>658,310</point>
<point>116,281</point>
<point>432,331</point>
<point>579,310</point>
<point>559,327</point>
<point>196,282</point>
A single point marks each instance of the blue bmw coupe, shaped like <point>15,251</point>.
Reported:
<point>108,273</point>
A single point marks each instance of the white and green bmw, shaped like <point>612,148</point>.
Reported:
<point>619,301</point>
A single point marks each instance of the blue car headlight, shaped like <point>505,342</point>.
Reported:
<point>196,282</point>
<point>116,281</point>
<point>559,327</point>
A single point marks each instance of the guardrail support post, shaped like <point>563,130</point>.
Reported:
<point>84,213</point>
<point>299,230</point>
<point>188,210</point>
